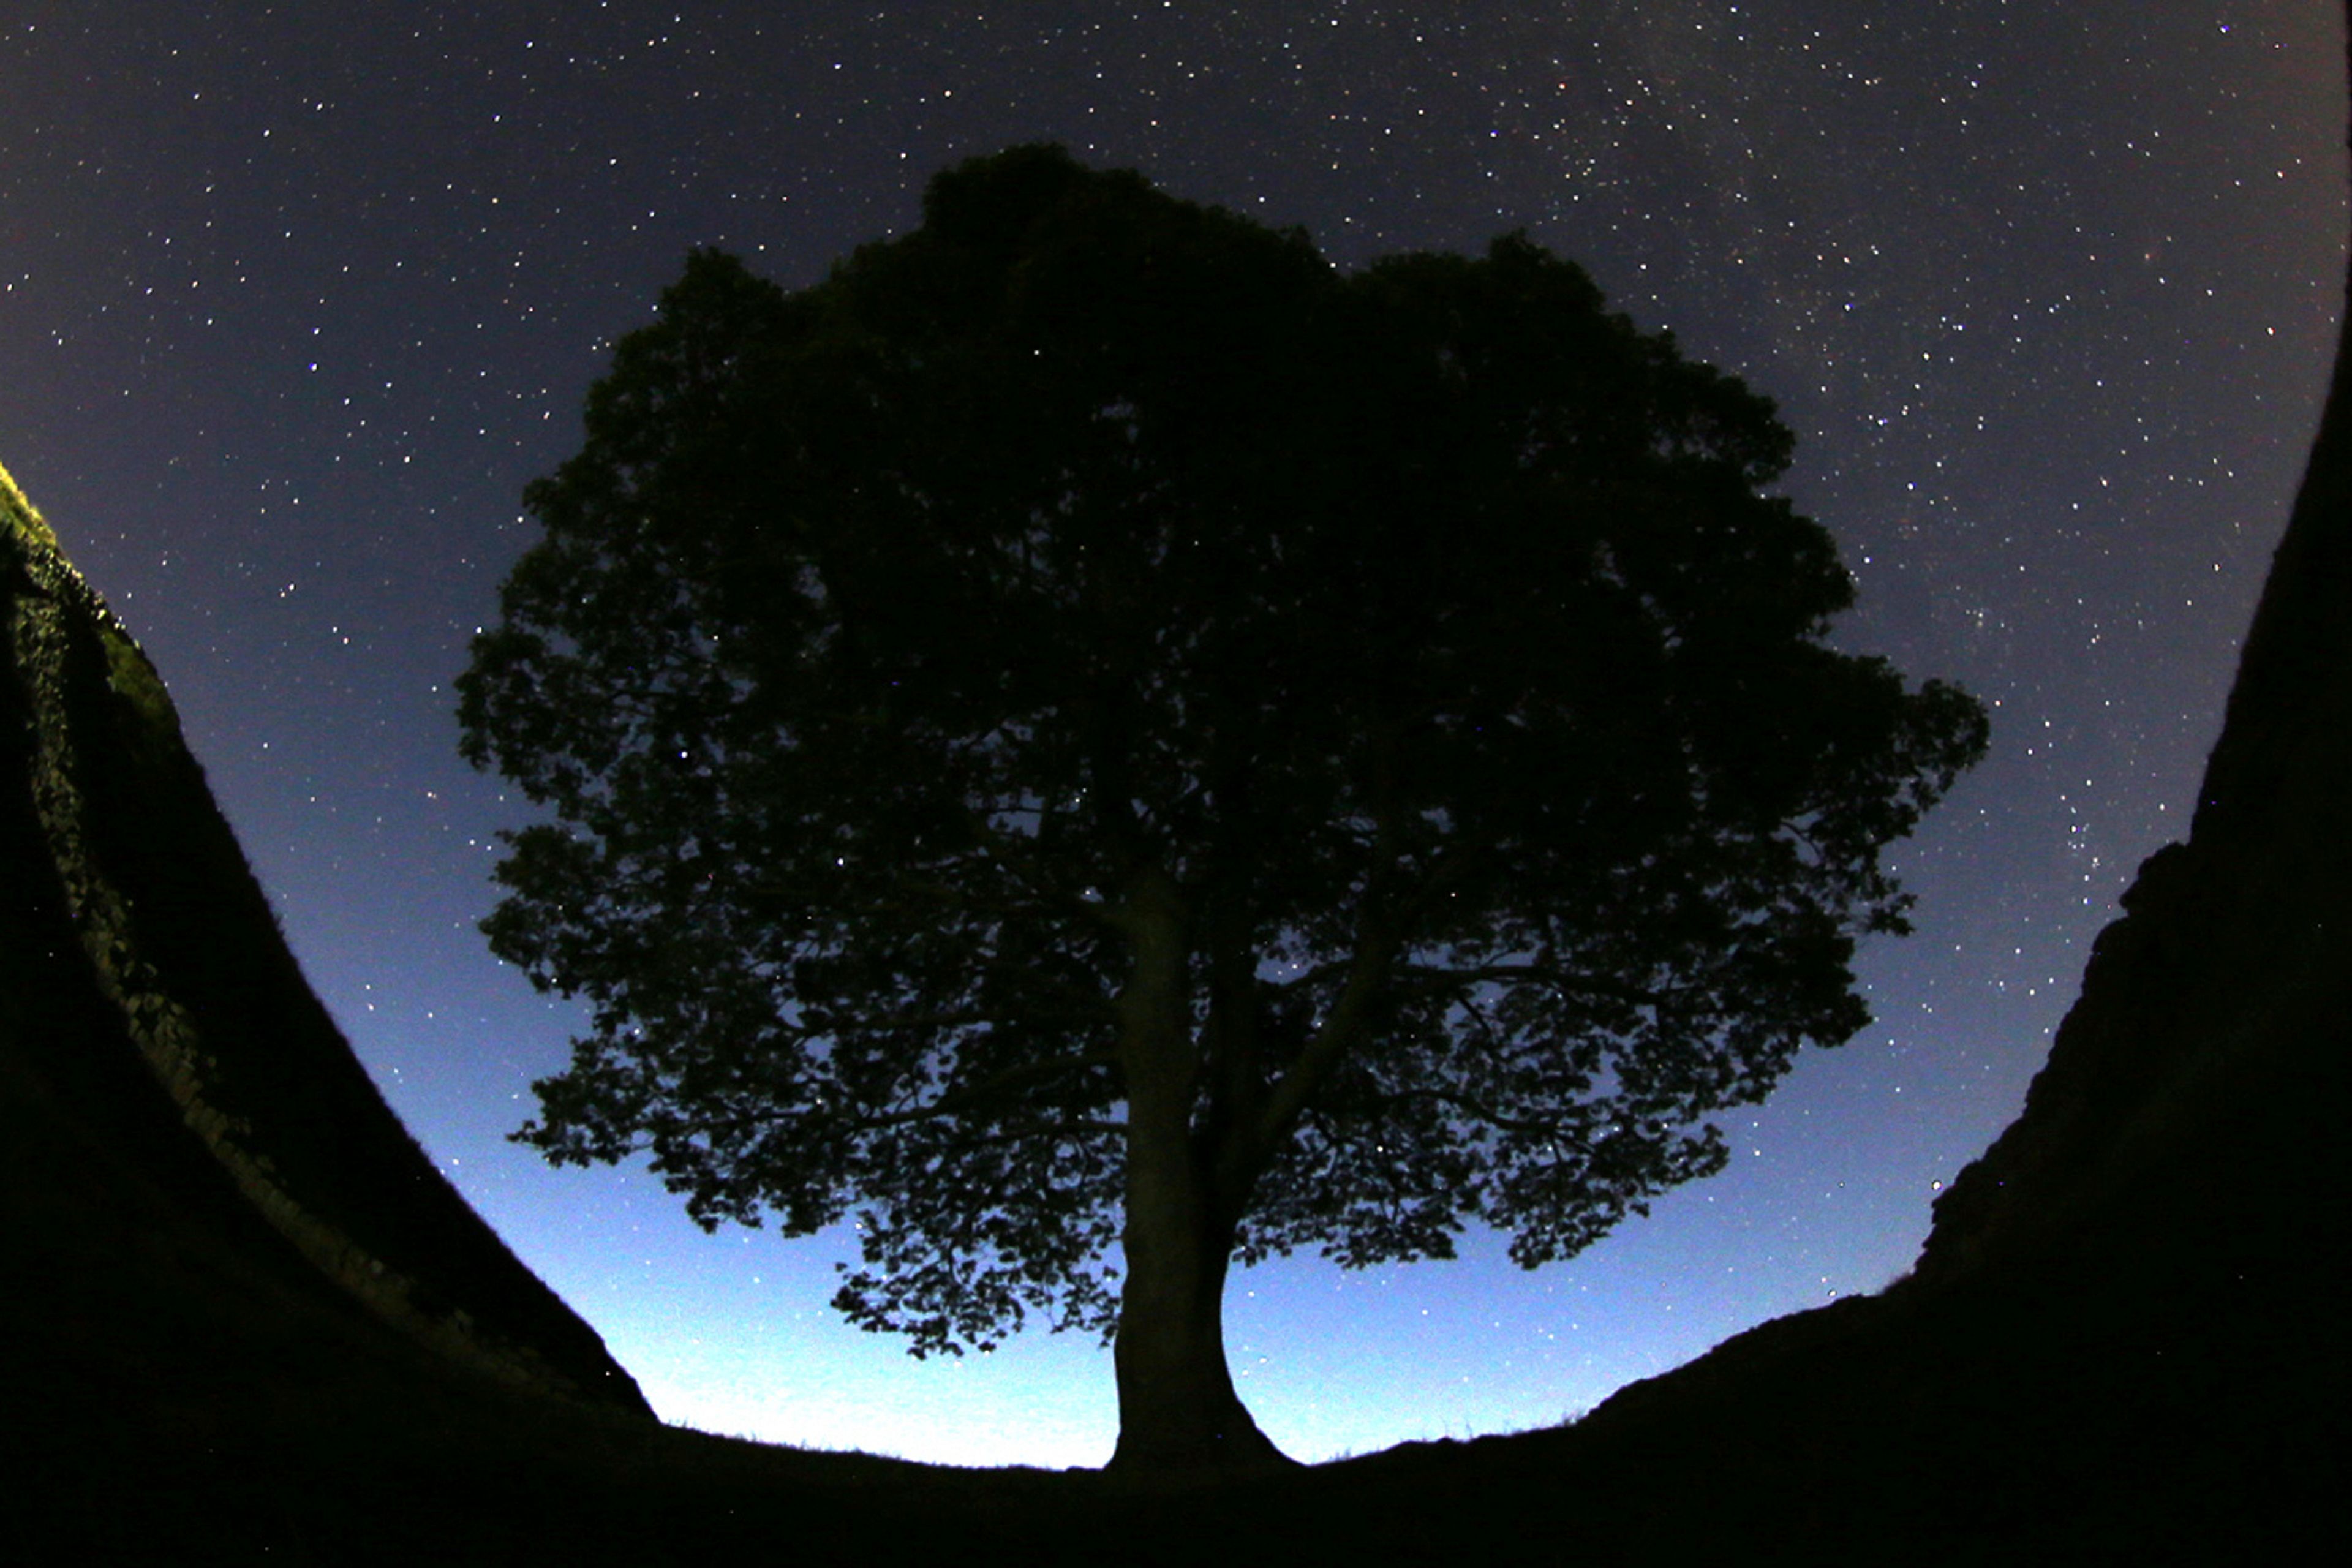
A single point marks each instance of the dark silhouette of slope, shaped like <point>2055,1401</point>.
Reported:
<point>133,898</point>
<point>206,1206</point>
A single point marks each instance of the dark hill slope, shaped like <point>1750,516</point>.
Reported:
<point>203,1202</point>
<point>136,933</point>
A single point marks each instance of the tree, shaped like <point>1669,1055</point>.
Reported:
<point>1090,727</point>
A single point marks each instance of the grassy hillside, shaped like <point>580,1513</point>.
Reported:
<point>136,934</point>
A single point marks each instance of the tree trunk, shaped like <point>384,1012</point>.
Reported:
<point>1177,1409</point>
<point>1178,1413</point>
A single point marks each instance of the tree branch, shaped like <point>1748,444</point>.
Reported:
<point>1042,1130</point>
<point>1475,1107</point>
<point>1078,1016</point>
<point>1515,973</point>
<point>961,1100</point>
<point>994,849</point>
<point>1377,944</point>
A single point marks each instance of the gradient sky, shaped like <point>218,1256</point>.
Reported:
<point>294,299</point>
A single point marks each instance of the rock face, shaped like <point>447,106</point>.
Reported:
<point>179,1102</point>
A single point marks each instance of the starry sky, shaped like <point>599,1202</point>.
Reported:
<point>294,299</point>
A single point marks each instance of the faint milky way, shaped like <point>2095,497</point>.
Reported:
<point>294,300</point>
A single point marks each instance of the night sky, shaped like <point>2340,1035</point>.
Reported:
<point>294,299</point>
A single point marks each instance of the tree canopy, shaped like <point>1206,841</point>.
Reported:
<point>1090,728</point>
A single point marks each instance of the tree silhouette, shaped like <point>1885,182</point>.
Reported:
<point>1090,727</point>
